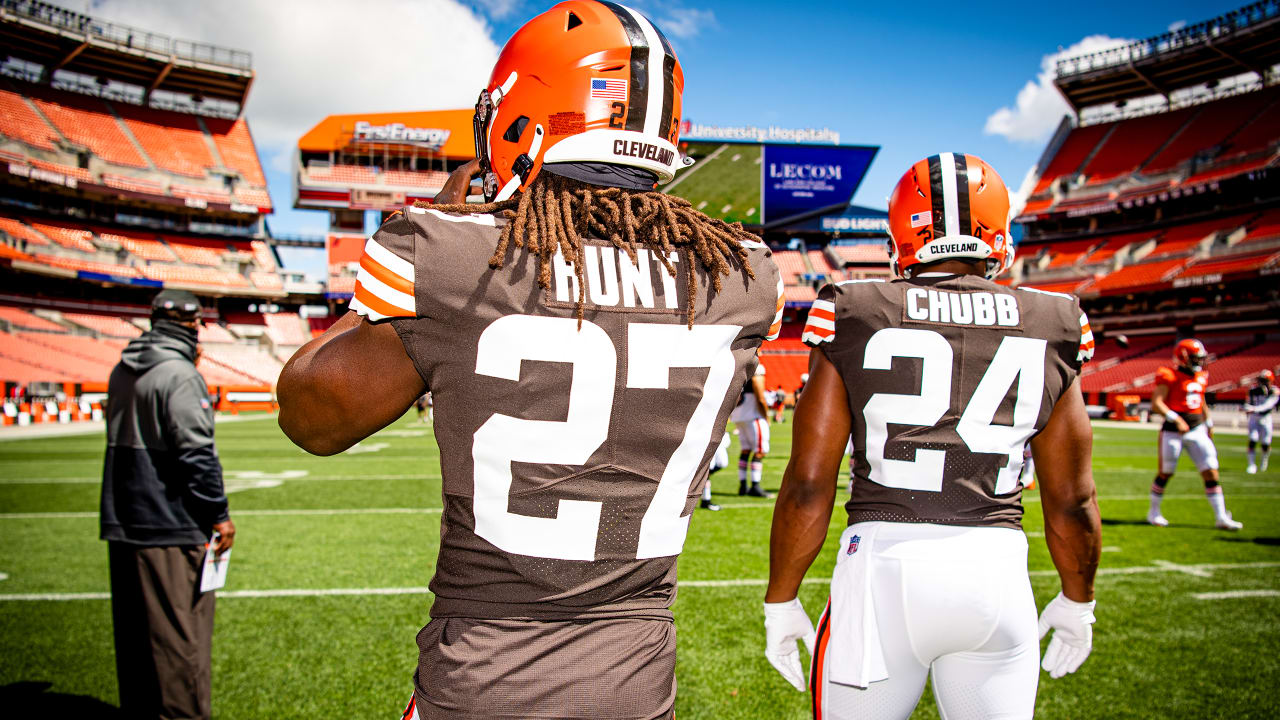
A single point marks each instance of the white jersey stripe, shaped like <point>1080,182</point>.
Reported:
<point>825,305</point>
<point>820,323</point>
<point>388,260</point>
<point>360,308</point>
<point>950,201</point>
<point>657,86</point>
<point>385,292</point>
<point>814,339</point>
<point>483,219</point>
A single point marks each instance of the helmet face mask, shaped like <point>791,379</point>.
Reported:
<point>950,206</point>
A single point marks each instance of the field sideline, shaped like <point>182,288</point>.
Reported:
<point>327,585</point>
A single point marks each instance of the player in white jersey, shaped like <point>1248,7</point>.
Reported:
<point>1262,401</point>
<point>751,416</point>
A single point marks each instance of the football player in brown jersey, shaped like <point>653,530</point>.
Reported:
<point>584,338</point>
<point>942,376</point>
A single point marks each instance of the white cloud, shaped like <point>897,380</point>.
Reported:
<point>498,9</point>
<point>314,58</point>
<point>1177,25</point>
<point>683,22</point>
<point>1039,106</point>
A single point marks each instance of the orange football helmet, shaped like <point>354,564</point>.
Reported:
<point>1267,377</point>
<point>950,206</point>
<point>1190,354</point>
<point>586,81</point>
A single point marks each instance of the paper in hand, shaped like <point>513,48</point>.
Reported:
<point>214,574</point>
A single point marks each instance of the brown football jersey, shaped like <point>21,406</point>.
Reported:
<point>572,453</point>
<point>948,377</point>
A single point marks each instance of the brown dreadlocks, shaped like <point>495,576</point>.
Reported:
<point>556,213</point>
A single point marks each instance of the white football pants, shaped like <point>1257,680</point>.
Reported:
<point>954,601</point>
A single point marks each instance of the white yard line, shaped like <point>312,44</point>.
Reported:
<point>1236,594</point>
<point>741,582</point>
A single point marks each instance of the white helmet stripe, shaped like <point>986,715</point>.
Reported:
<point>653,111</point>
<point>950,202</point>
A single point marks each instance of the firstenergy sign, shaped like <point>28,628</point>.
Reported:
<point>398,133</point>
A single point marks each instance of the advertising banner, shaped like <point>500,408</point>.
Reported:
<point>800,178</point>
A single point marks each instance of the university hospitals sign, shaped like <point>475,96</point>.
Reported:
<point>697,131</point>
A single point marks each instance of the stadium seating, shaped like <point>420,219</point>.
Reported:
<point>286,329</point>
<point>20,231</point>
<point>253,196</point>
<point>799,293</point>
<point>20,318</point>
<point>1073,285</point>
<point>1210,128</point>
<point>194,276</point>
<point>1079,143</point>
<point>266,280</point>
<point>861,253</point>
<point>18,120</point>
<point>87,121</point>
<point>820,264</point>
<point>262,255</point>
<point>791,264</point>
<point>71,263</point>
<point>249,361</point>
<point>108,325</point>
<point>1228,169</point>
<point>428,179</point>
<point>67,237</point>
<point>235,145</point>
<point>1131,143</point>
<point>1034,206</point>
<point>1114,244</point>
<point>215,333</point>
<point>1068,253</point>
<point>343,174</point>
<point>1132,278</point>
<point>1265,227</point>
<point>198,252</point>
<point>173,141</point>
<point>1259,134</point>
<point>1221,267</point>
<point>133,184</point>
<point>80,174</point>
<point>142,247</point>
<point>195,192</point>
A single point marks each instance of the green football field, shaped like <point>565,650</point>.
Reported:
<point>327,586</point>
<point>724,182</point>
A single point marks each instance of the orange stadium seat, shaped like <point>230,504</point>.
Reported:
<point>66,236</point>
<point>1266,227</point>
<point>174,141</point>
<point>19,121</point>
<point>799,293</point>
<point>108,325</point>
<point>194,276</point>
<point>1070,252</point>
<point>253,196</point>
<point>791,264</point>
<point>1034,206</point>
<point>235,145</point>
<point>286,329</point>
<point>145,248</point>
<point>1132,142</point>
<point>1224,266</point>
<point>215,333</point>
<point>1258,134</point>
<point>198,252</point>
<point>266,280</point>
<point>80,174</point>
<point>862,253</point>
<point>200,193</point>
<point>69,263</point>
<point>820,264</point>
<point>343,174</point>
<point>1143,276</point>
<point>1074,285</point>
<point>20,231</point>
<point>87,121</point>
<point>133,184</point>
<point>1073,152</point>
<point>428,179</point>
<point>1210,128</point>
<point>1228,169</point>
<point>262,255</point>
<point>20,318</point>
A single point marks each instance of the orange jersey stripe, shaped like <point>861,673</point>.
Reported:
<point>378,305</point>
<point>394,281</point>
<point>820,332</point>
<point>822,313</point>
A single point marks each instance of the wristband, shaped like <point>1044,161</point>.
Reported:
<point>1171,416</point>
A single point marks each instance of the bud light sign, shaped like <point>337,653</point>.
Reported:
<point>799,178</point>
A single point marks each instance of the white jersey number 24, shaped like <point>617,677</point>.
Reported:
<point>653,350</point>
<point>1019,359</point>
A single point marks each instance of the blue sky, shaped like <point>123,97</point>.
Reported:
<point>914,78</point>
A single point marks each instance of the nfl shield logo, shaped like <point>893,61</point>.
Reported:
<point>853,544</point>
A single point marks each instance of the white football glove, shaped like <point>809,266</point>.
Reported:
<point>1072,639</point>
<point>784,624</point>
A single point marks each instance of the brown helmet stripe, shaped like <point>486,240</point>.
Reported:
<point>638,87</point>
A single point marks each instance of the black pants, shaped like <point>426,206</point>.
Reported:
<point>163,630</point>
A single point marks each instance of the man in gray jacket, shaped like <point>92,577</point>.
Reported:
<point>162,500</point>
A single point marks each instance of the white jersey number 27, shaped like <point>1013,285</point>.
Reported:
<point>653,350</point>
<point>1019,359</point>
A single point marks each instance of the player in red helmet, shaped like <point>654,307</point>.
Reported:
<point>1262,401</point>
<point>931,573</point>
<point>584,338</point>
<point>1179,397</point>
